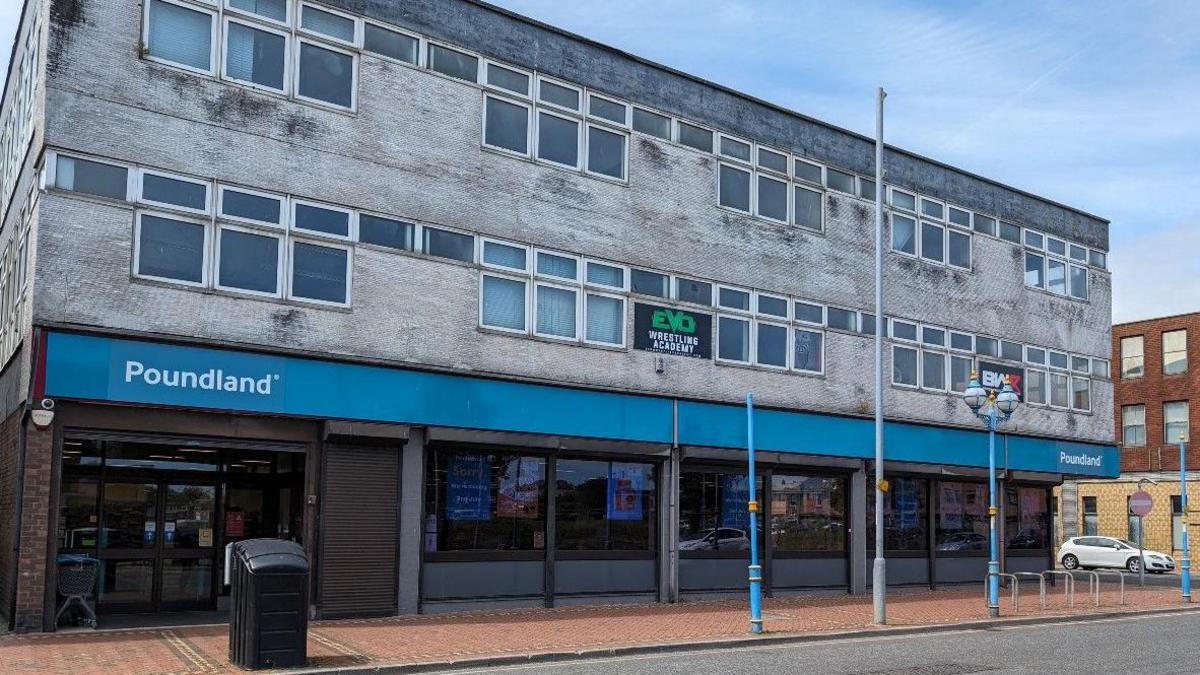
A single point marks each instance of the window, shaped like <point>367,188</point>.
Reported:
<point>772,345</point>
<point>1175,421</point>
<point>604,506</point>
<point>773,161</point>
<point>506,125</point>
<point>1056,276</point>
<point>385,232</point>
<point>389,43</point>
<point>933,336</point>
<point>651,123</point>
<point>558,139</point>
<point>1035,270</point>
<point>808,514</point>
<point>1079,282</point>
<point>985,225</point>
<point>320,273</point>
<point>1010,232</point>
<point>249,261</point>
<point>253,207</point>
<point>933,370</point>
<point>1059,397</point>
<point>807,208</point>
<point>601,274</point>
<point>321,219</point>
<point>503,303</point>
<point>960,372</point>
<point>164,190</point>
<point>1026,518</point>
<point>1100,368</point>
<point>255,56</point>
<point>807,171</point>
<point>772,306</point>
<point>1081,394</point>
<point>713,511</point>
<point>959,217</point>
<point>843,319</point>
<point>555,309</point>
<point>933,242</point>
<point>733,339</point>
<point>904,366</point>
<point>692,290</point>
<point>1132,362</point>
<point>987,346</point>
<point>1078,253</point>
<point>1079,364</point>
<point>327,23</point>
<point>1056,246</point>
<point>170,248</point>
<point>1010,351</point>
<point>734,148</point>
<point>1175,359</point>
<point>508,79</point>
<point>958,249</point>
<point>904,200</point>
<point>695,137</point>
<point>772,198</point>
<point>840,181</point>
<point>1091,519</point>
<point>325,75</point>
<point>557,94</point>
<point>606,152</point>
<point>962,521</point>
<point>446,244</point>
<point>962,341</point>
<point>1058,360</point>
<point>93,178</point>
<point>905,516</point>
<point>604,320</point>
<point>179,35</point>
<point>732,298</point>
<point>809,351</point>
<point>867,324</point>
<point>1035,355</point>
<point>1035,387</point>
<point>454,63</point>
<point>486,501</point>
<point>903,330</point>
<point>1133,425</point>
<point>933,209</point>
<point>644,282</point>
<point>809,313</point>
<point>1096,258</point>
<point>734,188</point>
<point>866,188</point>
<point>608,110</point>
<point>275,10</point>
<point>904,234</point>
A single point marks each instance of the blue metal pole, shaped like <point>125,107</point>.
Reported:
<point>1185,563</point>
<point>994,563</point>
<point>755,569</point>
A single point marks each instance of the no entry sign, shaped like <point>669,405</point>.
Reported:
<point>1140,503</point>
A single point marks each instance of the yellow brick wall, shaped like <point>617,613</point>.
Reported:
<point>1111,510</point>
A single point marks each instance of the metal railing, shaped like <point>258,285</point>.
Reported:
<point>1041,586</point>
<point>1016,584</point>
<point>1094,583</point>
<point>1068,588</point>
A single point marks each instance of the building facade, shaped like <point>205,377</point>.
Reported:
<point>1155,390</point>
<point>470,306</point>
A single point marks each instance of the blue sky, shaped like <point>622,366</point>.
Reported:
<point>1094,104</point>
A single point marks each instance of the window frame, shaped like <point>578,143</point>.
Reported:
<point>549,282</point>
<point>355,43</point>
<point>282,249</point>
<point>288,40</point>
<point>299,41</point>
<point>530,110</point>
<point>915,386</point>
<point>525,281</point>
<point>208,191</point>
<point>420,57</point>
<point>751,338</point>
<point>215,38</point>
<point>351,221</point>
<point>206,275</point>
<point>284,208</point>
<point>484,241</point>
<point>586,155</point>
<point>580,154</point>
<point>537,95</point>
<point>591,290</point>
<point>292,240</point>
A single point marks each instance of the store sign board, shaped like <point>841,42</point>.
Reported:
<point>670,330</point>
<point>991,376</point>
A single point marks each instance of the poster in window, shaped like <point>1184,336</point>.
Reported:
<point>991,376</point>
<point>907,503</point>
<point>468,488</point>
<point>520,489</point>
<point>735,493</point>
<point>235,523</point>
<point>951,507</point>
<point>625,485</point>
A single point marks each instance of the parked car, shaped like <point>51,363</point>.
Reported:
<point>963,541</point>
<point>1089,552</point>
<point>719,539</point>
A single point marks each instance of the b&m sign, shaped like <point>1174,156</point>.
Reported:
<point>991,377</point>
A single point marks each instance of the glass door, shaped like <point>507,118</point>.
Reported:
<point>186,553</point>
<point>127,543</point>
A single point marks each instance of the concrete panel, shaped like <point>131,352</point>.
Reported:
<point>960,570</point>
<point>604,576</point>
<point>807,572</point>
<point>712,574</point>
<point>469,580</point>
<point>904,571</point>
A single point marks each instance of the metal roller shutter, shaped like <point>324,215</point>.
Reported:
<point>358,532</point>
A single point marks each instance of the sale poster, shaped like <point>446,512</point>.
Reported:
<point>625,485</point>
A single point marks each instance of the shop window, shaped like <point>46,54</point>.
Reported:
<point>1091,519</point>
<point>961,518</point>
<point>808,513</point>
<point>905,516</point>
<point>481,501</point>
<point>605,506</point>
<point>714,511</point>
<point>1026,519</point>
<point>77,514</point>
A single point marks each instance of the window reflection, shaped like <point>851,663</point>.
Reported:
<point>713,511</point>
<point>808,513</point>
<point>962,520</point>
<point>485,501</point>
<point>605,506</point>
<point>1026,519</point>
<point>905,516</point>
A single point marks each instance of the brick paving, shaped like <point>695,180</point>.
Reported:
<point>473,635</point>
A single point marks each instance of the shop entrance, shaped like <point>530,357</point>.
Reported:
<point>157,514</point>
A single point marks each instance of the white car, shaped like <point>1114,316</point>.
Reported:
<point>1088,552</point>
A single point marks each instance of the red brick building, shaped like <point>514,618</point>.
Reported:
<point>1157,392</point>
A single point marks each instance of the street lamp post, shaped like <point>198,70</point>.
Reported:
<point>994,409</point>
<point>1185,563</point>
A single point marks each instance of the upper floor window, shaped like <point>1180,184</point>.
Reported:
<point>1132,358</point>
<point>180,34</point>
<point>1133,425</point>
<point>1175,421</point>
<point>1174,347</point>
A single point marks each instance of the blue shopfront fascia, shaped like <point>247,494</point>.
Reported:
<point>118,370</point>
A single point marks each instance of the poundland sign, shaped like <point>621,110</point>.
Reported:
<point>213,379</point>
<point>667,330</point>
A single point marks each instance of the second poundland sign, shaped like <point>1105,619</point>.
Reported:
<point>667,330</point>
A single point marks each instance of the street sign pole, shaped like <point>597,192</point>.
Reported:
<point>1141,556</point>
<point>1140,505</point>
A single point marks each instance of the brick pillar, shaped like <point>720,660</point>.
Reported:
<point>34,528</point>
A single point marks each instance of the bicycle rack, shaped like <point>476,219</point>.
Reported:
<point>1016,583</point>
<point>1041,585</point>
<point>1068,588</point>
<point>1094,583</point>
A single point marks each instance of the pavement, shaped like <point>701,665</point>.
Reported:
<point>500,638</point>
